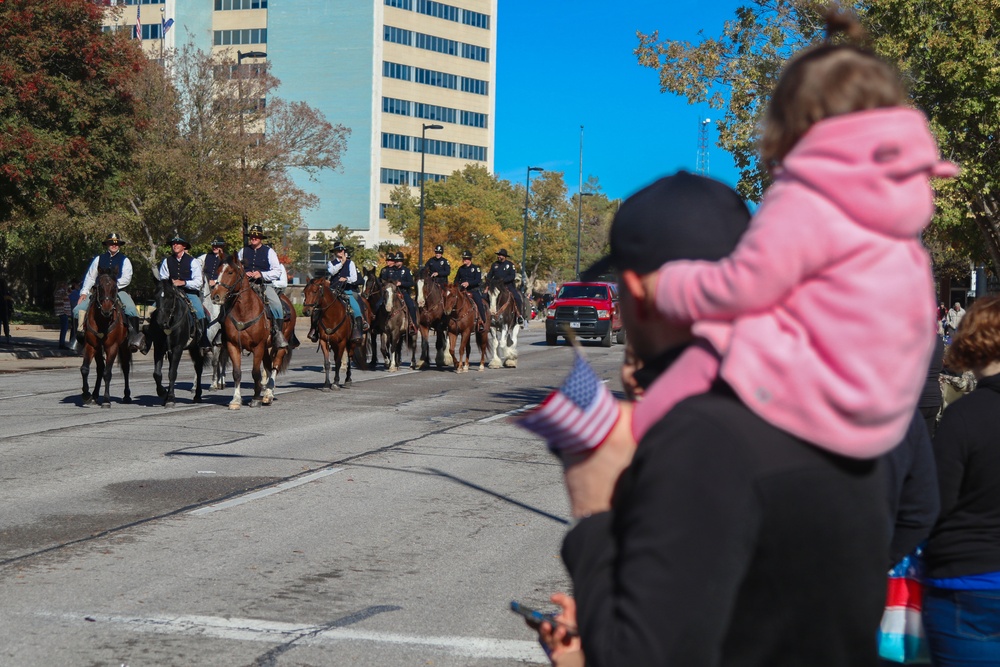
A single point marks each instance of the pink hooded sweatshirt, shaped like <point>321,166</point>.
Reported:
<point>823,317</point>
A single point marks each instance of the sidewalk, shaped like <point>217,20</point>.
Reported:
<point>33,346</point>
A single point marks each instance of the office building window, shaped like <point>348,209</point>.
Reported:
<point>473,52</point>
<point>439,44</point>
<point>140,2</point>
<point>397,71</point>
<point>476,86</point>
<point>392,105</point>
<point>402,4</point>
<point>473,119</point>
<point>433,112</point>
<point>251,36</point>
<point>382,208</point>
<point>224,5</point>
<point>438,9</point>
<point>435,147</point>
<point>433,78</point>
<point>396,176</point>
<point>398,35</point>
<point>467,152</point>
<point>475,19</point>
<point>151,31</point>
<point>397,142</point>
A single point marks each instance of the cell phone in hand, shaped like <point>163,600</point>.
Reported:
<point>536,617</point>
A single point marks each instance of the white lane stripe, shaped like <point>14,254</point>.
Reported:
<point>249,629</point>
<point>509,413</point>
<point>6,398</point>
<point>263,493</point>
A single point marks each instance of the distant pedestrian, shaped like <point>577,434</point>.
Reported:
<point>954,318</point>
<point>6,308</point>
<point>63,312</point>
<point>929,404</point>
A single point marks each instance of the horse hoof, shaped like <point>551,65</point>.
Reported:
<point>267,401</point>
<point>106,404</point>
<point>481,368</point>
<point>494,365</point>
<point>255,403</point>
<point>347,385</point>
<point>161,392</point>
<point>169,404</point>
<point>197,399</point>
<point>510,363</point>
<point>235,406</point>
<point>127,399</point>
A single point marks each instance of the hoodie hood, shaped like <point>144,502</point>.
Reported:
<point>874,165</point>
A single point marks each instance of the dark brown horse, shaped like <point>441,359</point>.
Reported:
<point>430,316</point>
<point>393,323</point>
<point>246,329</point>
<point>463,323</point>
<point>105,338</point>
<point>334,330</point>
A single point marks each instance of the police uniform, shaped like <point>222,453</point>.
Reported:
<point>503,270</point>
<point>405,279</point>
<point>119,266</point>
<point>265,260</point>
<point>472,275</point>
<point>440,266</point>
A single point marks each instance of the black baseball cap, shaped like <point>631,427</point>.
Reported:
<point>683,216</point>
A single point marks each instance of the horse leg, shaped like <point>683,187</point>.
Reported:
<point>88,354</point>
<point>158,354</point>
<point>338,355</point>
<point>100,364</point>
<point>348,355</point>
<point>467,347</point>
<point>510,361</point>
<point>452,337</point>
<point>173,362</point>
<point>199,365</point>
<point>219,368</point>
<point>258,354</point>
<point>234,360</point>
<point>425,352</point>
<point>109,364</point>
<point>125,363</point>
<point>441,358</point>
<point>325,345</point>
<point>495,335</point>
<point>482,340</point>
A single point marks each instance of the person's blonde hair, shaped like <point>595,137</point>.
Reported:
<point>824,81</point>
<point>976,344</point>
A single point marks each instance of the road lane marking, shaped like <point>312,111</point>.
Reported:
<point>509,413</point>
<point>263,493</point>
<point>250,629</point>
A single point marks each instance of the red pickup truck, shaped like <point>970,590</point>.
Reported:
<point>589,310</point>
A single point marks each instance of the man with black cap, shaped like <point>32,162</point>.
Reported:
<point>438,268</point>
<point>211,261</point>
<point>343,273</point>
<point>405,283</point>
<point>185,273</point>
<point>469,278</point>
<point>262,268</point>
<point>728,541</point>
<point>503,270</point>
<point>112,261</point>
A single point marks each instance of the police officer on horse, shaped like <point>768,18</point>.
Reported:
<point>112,261</point>
<point>184,271</point>
<point>503,270</point>
<point>405,283</point>
<point>262,268</point>
<point>345,273</point>
<point>469,278</point>
<point>438,268</point>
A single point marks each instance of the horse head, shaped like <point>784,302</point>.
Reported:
<point>388,295</point>
<point>313,293</point>
<point>168,296</point>
<point>494,287</point>
<point>371,282</point>
<point>231,271</point>
<point>106,293</point>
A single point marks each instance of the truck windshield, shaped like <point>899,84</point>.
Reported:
<point>583,292</point>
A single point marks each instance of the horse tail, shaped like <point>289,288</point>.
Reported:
<point>360,357</point>
<point>286,359</point>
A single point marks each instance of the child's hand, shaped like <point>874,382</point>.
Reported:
<point>591,476</point>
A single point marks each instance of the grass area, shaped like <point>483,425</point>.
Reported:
<point>34,317</point>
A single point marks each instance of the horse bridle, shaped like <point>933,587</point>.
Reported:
<point>322,310</point>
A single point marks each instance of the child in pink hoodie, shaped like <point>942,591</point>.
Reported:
<point>822,319</point>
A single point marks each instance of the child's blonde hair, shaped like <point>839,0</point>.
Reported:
<point>824,81</point>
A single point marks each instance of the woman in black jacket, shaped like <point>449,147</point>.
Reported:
<point>962,601</point>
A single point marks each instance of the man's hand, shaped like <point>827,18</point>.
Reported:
<point>465,285</point>
<point>342,279</point>
<point>434,275</point>
<point>591,477</point>
<point>253,274</point>
<point>178,283</point>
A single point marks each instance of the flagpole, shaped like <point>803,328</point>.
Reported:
<point>163,21</point>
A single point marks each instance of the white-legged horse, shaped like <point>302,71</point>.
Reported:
<point>503,326</point>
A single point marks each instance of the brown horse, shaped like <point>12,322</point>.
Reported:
<point>393,323</point>
<point>245,328</point>
<point>463,323</point>
<point>334,330</point>
<point>105,338</point>
<point>430,315</point>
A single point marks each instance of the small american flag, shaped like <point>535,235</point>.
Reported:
<point>138,23</point>
<point>577,417</point>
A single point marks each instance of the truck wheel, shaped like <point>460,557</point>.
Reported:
<point>551,339</point>
<point>606,341</point>
<point>620,337</point>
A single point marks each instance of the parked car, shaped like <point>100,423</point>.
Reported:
<point>588,309</point>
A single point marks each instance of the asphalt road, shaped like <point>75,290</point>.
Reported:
<point>386,524</point>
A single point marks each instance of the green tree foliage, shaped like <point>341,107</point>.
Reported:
<point>948,52</point>
<point>67,109</point>
<point>595,222</point>
<point>551,247</point>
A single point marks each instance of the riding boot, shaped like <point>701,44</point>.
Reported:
<point>313,334</point>
<point>135,338</point>
<point>357,331</point>
<point>146,342</point>
<point>81,318</point>
<point>276,336</point>
<point>205,342</point>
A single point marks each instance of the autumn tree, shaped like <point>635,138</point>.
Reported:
<point>551,246</point>
<point>948,52</point>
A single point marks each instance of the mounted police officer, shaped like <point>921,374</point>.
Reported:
<point>113,261</point>
<point>184,271</point>
<point>469,278</point>
<point>503,270</point>
<point>405,283</point>
<point>438,268</point>
<point>343,272</point>
<point>262,268</point>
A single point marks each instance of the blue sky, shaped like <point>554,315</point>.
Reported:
<point>565,64</point>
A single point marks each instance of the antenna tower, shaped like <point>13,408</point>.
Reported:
<point>702,163</point>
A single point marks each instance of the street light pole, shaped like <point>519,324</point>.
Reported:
<point>423,142</point>
<point>239,74</point>
<point>524,233</point>
<point>579,226</point>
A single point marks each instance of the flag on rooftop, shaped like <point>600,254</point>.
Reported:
<point>577,417</point>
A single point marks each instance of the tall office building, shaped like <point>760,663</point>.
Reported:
<point>383,68</point>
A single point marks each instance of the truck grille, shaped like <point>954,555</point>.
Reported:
<point>576,313</point>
